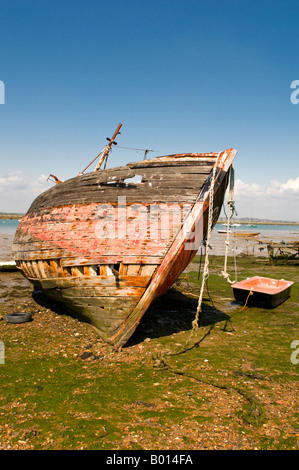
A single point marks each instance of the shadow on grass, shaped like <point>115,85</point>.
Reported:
<point>45,301</point>
<point>172,313</point>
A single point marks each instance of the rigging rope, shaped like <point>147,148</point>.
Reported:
<point>206,265</point>
<point>231,212</point>
<point>81,172</point>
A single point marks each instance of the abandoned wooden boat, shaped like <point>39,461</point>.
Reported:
<point>262,291</point>
<point>106,246</point>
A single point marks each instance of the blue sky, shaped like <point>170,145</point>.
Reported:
<point>182,76</point>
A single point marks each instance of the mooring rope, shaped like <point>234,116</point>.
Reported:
<point>207,243</point>
<point>231,212</point>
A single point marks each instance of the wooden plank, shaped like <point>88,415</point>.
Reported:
<point>86,182</point>
<point>148,270</point>
<point>24,268</point>
<point>44,233</point>
<point>41,254</point>
<point>109,270</point>
<point>77,271</point>
<point>198,169</point>
<point>104,310</point>
<point>30,270</point>
<point>117,249</point>
<point>133,269</point>
<point>113,198</point>
<point>173,163</point>
<point>41,268</point>
<point>176,181</point>
<point>32,245</point>
<point>94,281</point>
<point>113,302</point>
<point>111,251</point>
<point>111,193</point>
<point>107,304</point>
<point>138,193</point>
<point>103,291</point>
<point>151,182</point>
<point>103,270</point>
<point>87,261</point>
<point>49,270</point>
<point>55,268</point>
<point>35,269</point>
<point>123,269</point>
<point>66,272</point>
<point>112,259</point>
<point>90,270</point>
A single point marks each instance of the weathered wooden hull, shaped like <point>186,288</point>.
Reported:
<point>106,247</point>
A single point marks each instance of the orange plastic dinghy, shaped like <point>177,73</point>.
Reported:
<point>266,292</point>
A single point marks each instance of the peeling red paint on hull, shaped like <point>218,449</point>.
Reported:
<point>105,247</point>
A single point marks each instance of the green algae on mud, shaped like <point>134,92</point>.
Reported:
<point>64,388</point>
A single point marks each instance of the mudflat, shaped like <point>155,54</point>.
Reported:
<point>6,241</point>
<point>232,384</point>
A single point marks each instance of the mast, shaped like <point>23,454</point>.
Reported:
<point>107,149</point>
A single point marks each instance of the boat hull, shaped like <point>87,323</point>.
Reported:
<point>107,247</point>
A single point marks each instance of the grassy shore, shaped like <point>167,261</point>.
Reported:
<point>259,222</point>
<point>11,216</point>
<point>230,385</point>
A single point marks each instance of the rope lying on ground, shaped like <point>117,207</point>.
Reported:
<point>254,413</point>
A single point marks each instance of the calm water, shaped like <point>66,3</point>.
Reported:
<point>8,226</point>
<point>263,229</point>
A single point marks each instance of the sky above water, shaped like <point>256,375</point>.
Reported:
<point>181,76</point>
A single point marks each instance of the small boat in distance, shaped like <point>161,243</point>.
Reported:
<point>106,244</point>
<point>232,225</point>
<point>246,234</point>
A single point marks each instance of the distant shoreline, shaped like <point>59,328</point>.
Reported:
<point>259,222</point>
<point>11,216</point>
